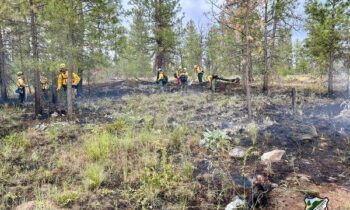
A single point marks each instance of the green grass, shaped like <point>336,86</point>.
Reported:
<point>98,146</point>
<point>253,131</point>
<point>94,175</point>
<point>177,137</point>
<point>66,198</point>
<point>17,141</point>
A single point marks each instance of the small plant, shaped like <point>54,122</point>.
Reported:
<point>120,126</point>
<point>253,131</point>
<point>98,146</point>
<point>67,197</point>
<point>17,141</point>
<point>267,138</point>
<point>177,136</point>
<point>245,158</point>
<point>214,140</point>
<point>52,133</point>
<point>156,181</point>
<point>187,170</point>
<point>94,175</point>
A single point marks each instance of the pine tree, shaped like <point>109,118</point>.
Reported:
<point>193,46</point>
<point>324,40</point>
<point>163,17</point>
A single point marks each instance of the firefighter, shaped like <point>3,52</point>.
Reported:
<point>162,79</point>
<point>183,77</point>
<point>199,71</point>
<point>212,81</point>
<point>177,76</point>
<point>62,84</point>
<point>21,87</point>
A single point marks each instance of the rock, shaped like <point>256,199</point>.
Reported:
<point>237,203</point>
<point>41,127</point>
<point>238,152</point>
<point>55,114</point>
<point>272,156</point>
<point>308,132</point>
<point>226,125</point>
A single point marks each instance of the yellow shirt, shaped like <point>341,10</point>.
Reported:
<point>183,73</point>
<point>63,79</point>
<point>198,70</point>
<point>44,83</point>
<point>161,76</point>
<point>209,78</point>
<point>20,82</point>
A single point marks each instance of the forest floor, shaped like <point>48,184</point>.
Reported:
<point>131,147</point>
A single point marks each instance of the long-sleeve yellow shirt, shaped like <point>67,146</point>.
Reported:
<point>44,83</point>
<point>160,76</point>
<point>198,70</point>
<point>20,82</point>
<point>63,79</point>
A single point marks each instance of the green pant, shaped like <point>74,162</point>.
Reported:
<point>63,99</point>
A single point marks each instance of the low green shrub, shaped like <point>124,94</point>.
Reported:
<point>94,175</point>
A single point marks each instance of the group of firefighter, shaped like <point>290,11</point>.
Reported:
<point>182,78</point>
<point>62,81</point>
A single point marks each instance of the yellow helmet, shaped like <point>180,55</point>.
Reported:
<point>195,66</point>
<point>62,66</point>
<point>19,73</point>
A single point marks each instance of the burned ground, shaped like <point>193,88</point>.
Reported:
<point>51,162</point>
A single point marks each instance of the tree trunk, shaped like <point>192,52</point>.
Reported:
<point>3,85</point>
<point>247,63</point>
<point>35,56</point>
<point>348,86</point>
<point>266,59</point>
<point>69,94</point>
<point>331,54</point>
<point>330,72</point>
<point>80,85</point>
<point>52,96</point>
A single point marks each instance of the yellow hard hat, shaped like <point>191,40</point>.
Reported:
<point>62,66</point>
<point>195,66</point>
<point>19,73</point>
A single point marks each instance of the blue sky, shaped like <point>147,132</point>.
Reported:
<point>196,9</point>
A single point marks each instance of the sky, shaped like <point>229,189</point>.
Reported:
<point>197,10</point>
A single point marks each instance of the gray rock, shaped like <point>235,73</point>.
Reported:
<point>237,203</point>
<point>272,156</point>
<point>308,132</point>
<point>238,152</point>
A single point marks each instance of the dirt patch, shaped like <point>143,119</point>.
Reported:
<point>293,197</point>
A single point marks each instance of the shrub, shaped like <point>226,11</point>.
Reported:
<point>155,181</point>
<point>187,170</point>
<point>177,136</point>
<point>52,133</point>
<point>120,126</point>
<point>214,140</point>
<point>16,140</point>
<point>67,197</point>
<point>98,146</point>
<point>253,131</point>
<point>94,175</point>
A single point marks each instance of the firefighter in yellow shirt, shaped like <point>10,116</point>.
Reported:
<point>21,87</point>
<point>211,78</point>
<point>199,71</point>
<point>162,79</point>
<point>62,84</point>
<point>45,88</point>
<point>183,77</point>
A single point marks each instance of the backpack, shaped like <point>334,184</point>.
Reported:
<point>165,79</point>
